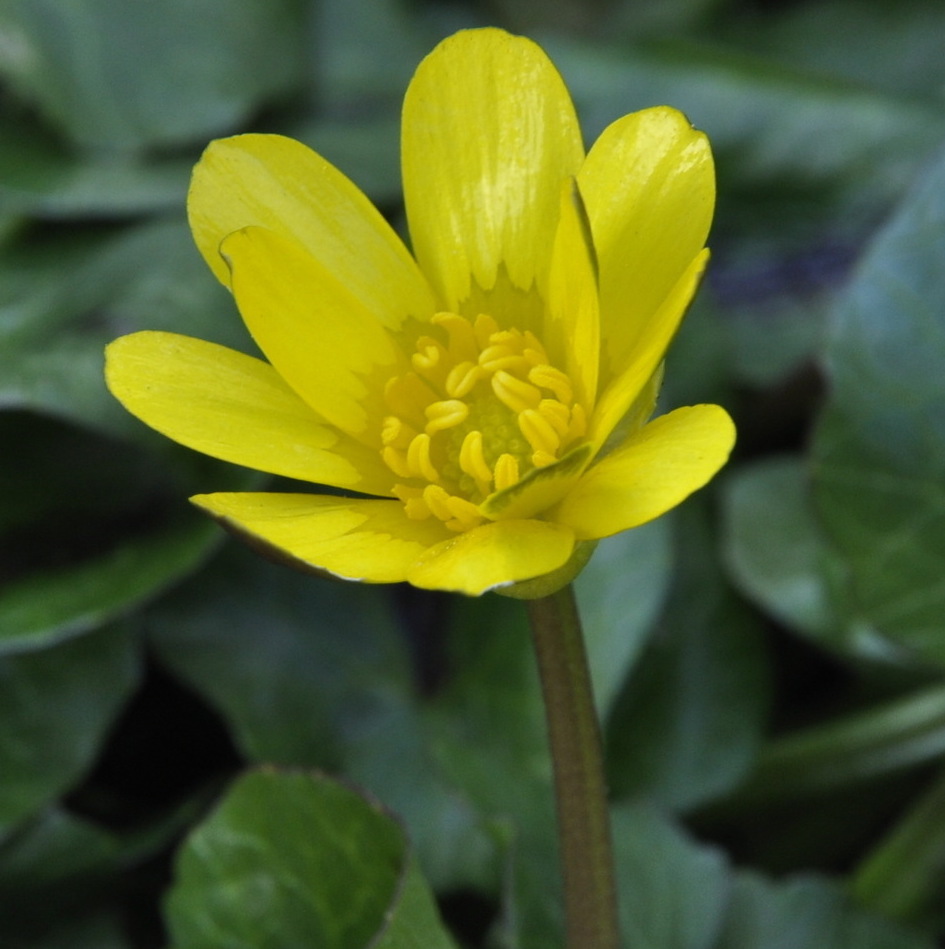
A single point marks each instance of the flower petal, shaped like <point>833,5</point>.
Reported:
<point>644,359</point>
<point>649,186</point>
<point>352,538</point>
<point>572,326</point>
<point>493,555</point>
<point>657,469</point>
<point>319,336</point>
<point>489,135</point>
<point>236,408</point>
<point>280,184</point>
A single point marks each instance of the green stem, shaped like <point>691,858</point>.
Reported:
<point>580,789</point>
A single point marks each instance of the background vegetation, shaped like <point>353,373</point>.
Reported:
<point>769,660</point>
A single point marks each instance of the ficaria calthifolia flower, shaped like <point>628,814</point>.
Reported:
<point>483,403</point>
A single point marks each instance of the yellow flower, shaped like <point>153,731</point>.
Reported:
<point>488,396</point>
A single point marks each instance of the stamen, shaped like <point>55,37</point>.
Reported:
<point>554,379</point>
<point>437,500</point>
<point>418,459</point>
<point>445,414</point>
<point>462,339</point>
<point>465,513</point>
<point>541,459</point>
<point>506,472</point>
<point>556,414</point>
<point>462,379</point>
<point>515,393</point>
<point>471,458</point>
<point>539,432</point>
<point>578,427</point>
<point>396,461</point>
<point>484,327</point>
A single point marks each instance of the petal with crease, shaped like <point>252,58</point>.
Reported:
<point>493,555</point>
<point>236,408</point>
<point>657,469</point>
<point>649,187</point>
<point>279,183</point>
<point>489,136</point>
<point>315,332</point>
<point>353,538</point>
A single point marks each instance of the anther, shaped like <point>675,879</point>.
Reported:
<point>445,414</point>
<point>554,380</point>
<point>471,457</point>
<point>462,379</point>
<point>515,393</point>
<point>418,459</point>
<point>506,472</point>
<point>539,432</point>
<point>557,414</point>
<point>436,500</point>
<point>396,461</point>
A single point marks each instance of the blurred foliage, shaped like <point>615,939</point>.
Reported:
<point>769,660</point>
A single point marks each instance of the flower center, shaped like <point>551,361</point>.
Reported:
<point>479,409</point>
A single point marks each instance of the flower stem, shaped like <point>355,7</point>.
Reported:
<point>581,793</point>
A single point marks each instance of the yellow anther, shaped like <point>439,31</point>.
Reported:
<point>445,414</point>
<point>497,357</point>
<point>462,379</point>
<point>418,459</point>
<point>436,499</point>
<point>515,393</point>
<point>428,355</point>
<point>541,459</point>
<point>539,432</point>
<point>396,461</point>
<point>506,472</point>
<point>465,513</point>
<point>578,428</point>
<point>484,327</point>
<point>396,432</point>
<point>557,414</point>
<point>471,458</point>
<point>554,380</point>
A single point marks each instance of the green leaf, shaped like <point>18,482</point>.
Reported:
<point>117,76</point>
<point>780,557</point>
<point>47,607</point>
<point>619,594</point>
<point>56,706</point>
<point>39,178</point>
<point>311,672</point>
<point>879,451</point>
<point>64,298</point>
<point>806,912</point>
<point>672,894</point>
<point>688,724</point>
<point>292,860</point>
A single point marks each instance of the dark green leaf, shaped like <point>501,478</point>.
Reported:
<point>880,447</point>
<point>293,860</point>
<point>55,708</point>
<point>116,76</point>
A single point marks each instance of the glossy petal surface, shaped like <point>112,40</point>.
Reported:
<point>315,332</point>
<point>352,538</point>
<point>649,187</point>
<point>489,137</point>
<point>278,183</point>
<point>657,469</point>
<point>493,555</point>
<point>236,408</point>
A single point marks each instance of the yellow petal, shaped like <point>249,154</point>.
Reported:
<point>280,184</point>
<point>489,136</point>
<point>318,335</point>
<point>352,538</point>
<point>644,359</point>
<point>572,327</point>
<point>649,187</point>
<point>236,408</point>
<point>657,469</point>
<point>493,555</point>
